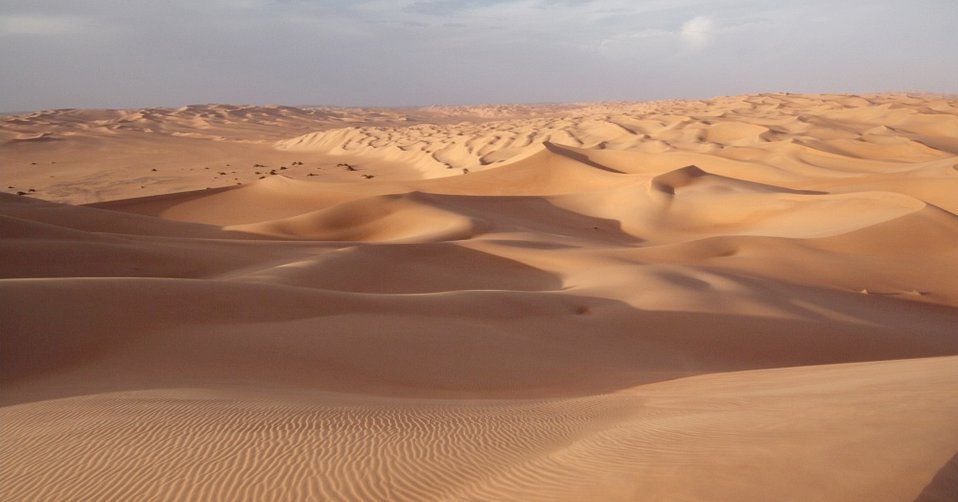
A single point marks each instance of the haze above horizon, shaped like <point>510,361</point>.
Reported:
<point>117,54</point>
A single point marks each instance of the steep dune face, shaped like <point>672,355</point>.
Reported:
<point>749,298</point>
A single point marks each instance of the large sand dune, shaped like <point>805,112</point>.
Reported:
<point>747,298</point>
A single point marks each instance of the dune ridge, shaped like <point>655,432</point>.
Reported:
<point>743,298</point>
<point>710,127</point>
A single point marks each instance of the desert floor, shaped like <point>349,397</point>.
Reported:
<point>748,298</point>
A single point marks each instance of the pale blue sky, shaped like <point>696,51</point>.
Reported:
<point>132,53</point>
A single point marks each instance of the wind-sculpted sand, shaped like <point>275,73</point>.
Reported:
<point>746,298</point>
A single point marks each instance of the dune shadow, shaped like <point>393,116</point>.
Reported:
<point>103,219</point>
<point>534,214</point>
<point>423,268</point>
<point>156,205</point>
<point>944,486</point>
<point>470,343</point>
<point>578,157</point>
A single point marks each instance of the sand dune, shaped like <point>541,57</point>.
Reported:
<point>745,298</point>
<point>715,437</point>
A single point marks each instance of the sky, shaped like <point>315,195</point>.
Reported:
<point>133,53</point>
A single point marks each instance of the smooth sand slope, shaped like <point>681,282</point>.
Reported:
<point>747,298</point>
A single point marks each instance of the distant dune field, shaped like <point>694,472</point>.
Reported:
<point>748,298</point>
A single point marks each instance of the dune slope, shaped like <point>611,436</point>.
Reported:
<point>746,298</point>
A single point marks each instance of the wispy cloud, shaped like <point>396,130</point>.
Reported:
<point>697,32</point>
<point>40,25</point>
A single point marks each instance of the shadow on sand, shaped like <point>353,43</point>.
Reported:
<point>944,486</point>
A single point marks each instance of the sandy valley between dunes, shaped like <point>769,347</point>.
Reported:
<point>748,298</point>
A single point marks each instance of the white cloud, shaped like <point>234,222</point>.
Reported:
<point>697,32</point>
